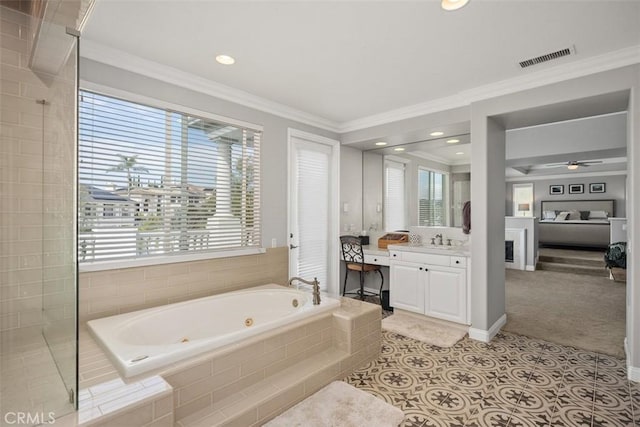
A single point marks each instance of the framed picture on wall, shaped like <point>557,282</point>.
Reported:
<point>576,188</point>
<point>556,189</point>
<point>599,187</point>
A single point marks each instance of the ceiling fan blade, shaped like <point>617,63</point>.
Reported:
<point>554,165</point>
<point>593,162</point>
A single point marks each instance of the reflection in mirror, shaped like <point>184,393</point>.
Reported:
<point>425,183</point>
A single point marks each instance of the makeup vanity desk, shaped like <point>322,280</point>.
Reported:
<point>375,255</point>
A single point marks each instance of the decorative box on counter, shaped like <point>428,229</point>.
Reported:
<point>392,239</point>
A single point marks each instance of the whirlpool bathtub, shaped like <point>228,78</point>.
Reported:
<point>150,339</point>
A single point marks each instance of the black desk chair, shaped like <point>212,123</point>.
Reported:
<point>353,257</point>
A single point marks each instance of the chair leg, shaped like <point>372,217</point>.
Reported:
<point>344,286</point>
<point>361,286</point>
<point>381,285</point>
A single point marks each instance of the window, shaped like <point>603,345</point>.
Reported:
<point>523,199</point>
<point>432,198</point>
<point>179,183</point>
<point>394,196</point>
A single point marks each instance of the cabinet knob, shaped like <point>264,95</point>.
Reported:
<point>394,254</point>
<point>457,262</point>
<point>376,259</point>
<point>420,268</point>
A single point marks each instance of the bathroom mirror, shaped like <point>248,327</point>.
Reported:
<point>423,183</point>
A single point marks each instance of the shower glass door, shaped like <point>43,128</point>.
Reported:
<point>59,259</point>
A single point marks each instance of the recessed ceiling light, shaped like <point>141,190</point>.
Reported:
<point>381,143</point>
<point>453,4</point>
<point>436,133</point>
<point>572,167</point>
<point>225,59</point>
<point>460,152</point>
<point>452,141</point>
<point>398,149</point>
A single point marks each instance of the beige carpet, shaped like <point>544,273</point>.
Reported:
<point>422,329</point>
<point>570,309</point>
<point>340,405</point>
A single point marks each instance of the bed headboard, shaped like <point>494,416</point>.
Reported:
<point>578,205</point>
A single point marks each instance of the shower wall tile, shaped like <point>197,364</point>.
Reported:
<point>23,167</point>
<point>104,293</point>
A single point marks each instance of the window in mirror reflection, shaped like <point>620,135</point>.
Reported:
<point>432,198</point>
<point>394,216</point>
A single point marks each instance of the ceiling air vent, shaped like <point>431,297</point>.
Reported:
<point>547,57</point>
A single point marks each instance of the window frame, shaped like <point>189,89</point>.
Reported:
<point>186,257</point>
<point>446,195</point>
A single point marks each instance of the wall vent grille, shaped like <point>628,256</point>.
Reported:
<point>547,57</point>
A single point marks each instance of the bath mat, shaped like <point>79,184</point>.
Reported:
<point>423,329</point>
<point>340,405</point>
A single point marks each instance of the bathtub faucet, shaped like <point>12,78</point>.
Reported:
<point>314,283</point>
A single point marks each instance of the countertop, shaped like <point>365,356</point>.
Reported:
<point>431,249</point>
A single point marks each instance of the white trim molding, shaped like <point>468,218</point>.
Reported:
<point>135,64</point>
<point>565,176</point>
<point>567,71</point>
<point>580,68</point>
<point>487,336</point>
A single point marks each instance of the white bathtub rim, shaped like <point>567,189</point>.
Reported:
<point>167,368</point>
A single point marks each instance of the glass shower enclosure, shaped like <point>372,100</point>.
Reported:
<point>38,263</point>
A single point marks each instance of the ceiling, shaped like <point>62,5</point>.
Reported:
<point>344,61</point>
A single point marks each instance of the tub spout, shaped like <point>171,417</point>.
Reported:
<point>315,284</point>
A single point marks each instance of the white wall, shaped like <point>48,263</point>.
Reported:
<point>589,134</point>
<point>615,189</point>
<point>372,197</point>
<point>350,190</point>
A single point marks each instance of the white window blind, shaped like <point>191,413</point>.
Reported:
<point>313,166</point>
<point>159,182</point>
<point>432,198</point>
<point>394,196</point>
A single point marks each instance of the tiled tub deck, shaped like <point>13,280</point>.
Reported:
<point>242,384</point>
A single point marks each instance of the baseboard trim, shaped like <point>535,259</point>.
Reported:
<point>633,372</point>
<point>487,336</point>
<point>530,268</point>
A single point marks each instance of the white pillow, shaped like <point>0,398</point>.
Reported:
<point>562,216</point>
<point>573,215</point>
<point>598,215</point>
<point>548,214</point>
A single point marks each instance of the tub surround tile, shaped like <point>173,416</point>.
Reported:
<point>105,293</point>
<point>254,381</point>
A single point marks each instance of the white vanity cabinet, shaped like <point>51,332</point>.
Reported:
<point>430,284</point>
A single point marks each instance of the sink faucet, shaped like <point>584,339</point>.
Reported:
<point>315,284</point>
<point>438,239</point>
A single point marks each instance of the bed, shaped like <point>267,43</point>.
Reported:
<point>587,224</point>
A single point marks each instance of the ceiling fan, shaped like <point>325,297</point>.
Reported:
<point>574,164</point>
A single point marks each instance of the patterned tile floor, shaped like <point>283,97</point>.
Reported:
<point>512,381</point>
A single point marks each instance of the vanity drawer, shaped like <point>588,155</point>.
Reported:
<point>458,261</point>
<point>426,258</point>
<point>376,259</point>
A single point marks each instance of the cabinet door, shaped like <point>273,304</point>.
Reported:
<point>407,286</point>
<point>446,294</point>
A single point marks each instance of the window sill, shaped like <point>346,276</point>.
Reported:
<point>163,260</point>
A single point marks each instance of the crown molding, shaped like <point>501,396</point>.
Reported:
<point>596,64</point>
<point>570,70</point>
<point>119,59</point>
<point>564,176</point>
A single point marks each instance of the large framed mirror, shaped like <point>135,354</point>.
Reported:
<point>422,183</point>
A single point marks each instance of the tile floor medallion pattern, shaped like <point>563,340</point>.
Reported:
<point>514,381</point>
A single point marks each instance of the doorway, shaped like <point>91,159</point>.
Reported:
<point>313,199</point>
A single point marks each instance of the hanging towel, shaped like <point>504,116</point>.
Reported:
<point>466,218</point>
